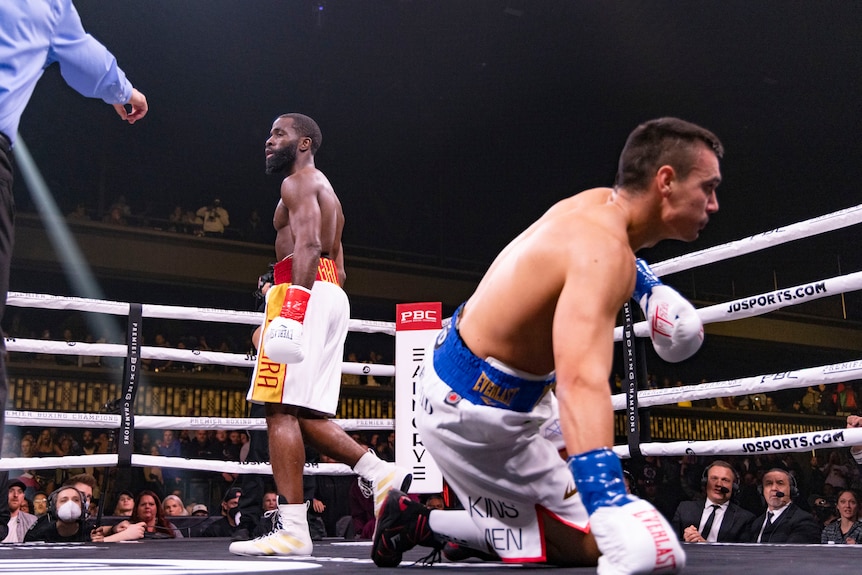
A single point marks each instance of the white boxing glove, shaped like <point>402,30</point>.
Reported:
<point>282,340</point>
<point>631,534</point>
<point>635,538</point>
<point>675,327</point>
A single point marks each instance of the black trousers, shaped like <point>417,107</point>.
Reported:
<point>7,233</point>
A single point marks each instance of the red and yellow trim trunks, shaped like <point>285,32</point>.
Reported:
<point>327,271</point>
<point>270,378</point>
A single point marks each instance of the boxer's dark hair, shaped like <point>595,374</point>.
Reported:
<point>665,141</point>
<point>306,128</point>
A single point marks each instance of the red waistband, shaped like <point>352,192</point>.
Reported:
<point>327,271</point>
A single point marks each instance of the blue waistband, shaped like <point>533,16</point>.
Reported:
<point>478,381</point>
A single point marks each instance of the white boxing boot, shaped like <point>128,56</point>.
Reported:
<point>289,535</point>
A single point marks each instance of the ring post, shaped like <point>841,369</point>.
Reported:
<point>126,445</point>
<point>416,326</point>
<point>631,382</point>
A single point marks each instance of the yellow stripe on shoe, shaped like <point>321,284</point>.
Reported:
<point>278,543</point>
<point>395,478</point>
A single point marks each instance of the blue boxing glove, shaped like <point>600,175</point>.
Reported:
<point>675,328</point>
<point>631,534</point>
<point>599,478</point>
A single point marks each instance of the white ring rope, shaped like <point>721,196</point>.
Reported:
<point>787,443</point>
<point>815,226</point>
<point>46,301</point>
<point>138,460</point>
<point>170,353</point>
<point>730,311</point>
<point>792,442</point>
<point>112,421</point>
<point>825,374</point>
<point>764,303</point>
<point>749,306</point>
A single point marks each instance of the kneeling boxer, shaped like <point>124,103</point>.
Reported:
<point>543,318</point>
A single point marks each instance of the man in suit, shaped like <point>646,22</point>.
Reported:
<point>715,519</point>
<point>784,521</point>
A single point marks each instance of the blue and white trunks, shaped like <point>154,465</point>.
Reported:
<point>482,424</point>
<point>480,382</point>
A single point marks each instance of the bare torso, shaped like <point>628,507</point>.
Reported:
<point>308,221</point>
<point>512,314</point>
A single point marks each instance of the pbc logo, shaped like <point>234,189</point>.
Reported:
<point>418,316</point>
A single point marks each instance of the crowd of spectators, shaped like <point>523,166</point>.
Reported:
<point>165,502</point>
<point>31,324</point>
<point>834,399</point>
<point>218,444</point>
<point>236,339</point>
<point>667,481</point>
<point>209,220</point>
<point>161,501</point>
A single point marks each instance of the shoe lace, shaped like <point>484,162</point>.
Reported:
<point>366,487</point>
<point>434,557</point>
<point>274,516</point>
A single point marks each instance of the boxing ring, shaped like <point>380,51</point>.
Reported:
<point>186,555</point>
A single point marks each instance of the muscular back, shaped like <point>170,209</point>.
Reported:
<point>572,268</point>
<point>308,221</point>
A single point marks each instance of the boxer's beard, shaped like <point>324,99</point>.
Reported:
<point>281,160</point>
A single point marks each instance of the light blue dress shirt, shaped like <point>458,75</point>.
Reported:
<point>36,33</point>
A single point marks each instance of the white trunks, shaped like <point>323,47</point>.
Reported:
<point>506,474</point>
<point>315,383</point>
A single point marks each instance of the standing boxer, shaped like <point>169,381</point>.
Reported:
<point>543,317</point>
<point>298,371</point>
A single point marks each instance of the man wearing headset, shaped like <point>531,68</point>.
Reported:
<point>65,520</point>
<point>68,519</point>
<point>716,519</point>
<point>784,521</point>
<point>124,531</point>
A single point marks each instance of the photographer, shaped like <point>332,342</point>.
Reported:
<point>214,219</point>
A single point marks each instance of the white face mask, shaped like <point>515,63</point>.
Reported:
<point>70,511</point>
